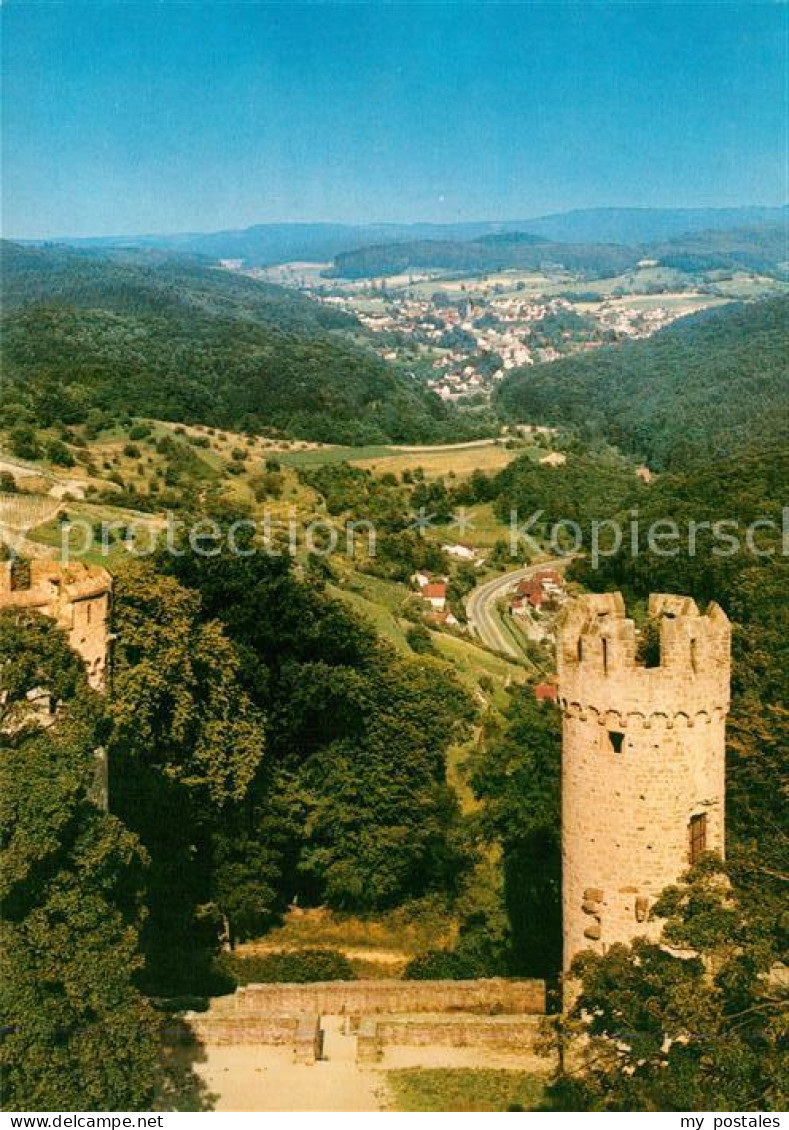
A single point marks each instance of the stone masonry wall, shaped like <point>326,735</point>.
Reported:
<point>77,597</point>
<point>459,1032</point>
<point>643,751</point>
<point>516,1034</point>
<point>362,998</point>
<point>300,1033</point>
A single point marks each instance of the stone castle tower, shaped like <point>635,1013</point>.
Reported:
<point>643,760</point>
<point>76,596</point>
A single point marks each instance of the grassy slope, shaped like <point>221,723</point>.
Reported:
<point>451,1089</point>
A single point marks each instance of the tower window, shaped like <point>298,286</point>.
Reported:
<point>616,739</point>
<point>697,837</point>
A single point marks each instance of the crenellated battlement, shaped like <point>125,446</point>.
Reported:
<point>602,670</point>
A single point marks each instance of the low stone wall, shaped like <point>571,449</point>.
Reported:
<point>368,1046</point>
<point>461,1032</point>
<point>308,1043</point>
<point>365,998</point>
<point>493,1033</point>
<point>301,1033</point>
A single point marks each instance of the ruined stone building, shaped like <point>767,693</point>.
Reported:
<point>77,597</point>
<point>643,760</point>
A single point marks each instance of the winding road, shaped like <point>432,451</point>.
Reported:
<point>481,606</point>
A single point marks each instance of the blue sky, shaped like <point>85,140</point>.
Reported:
<point>124,117</point>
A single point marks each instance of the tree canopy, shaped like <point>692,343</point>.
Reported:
<point>77,1032</point>
<point>703,388</point>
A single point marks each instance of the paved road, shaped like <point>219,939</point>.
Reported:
<point>481,605</point>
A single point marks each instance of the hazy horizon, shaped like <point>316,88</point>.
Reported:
<point>123,120</point>
<point>379,223</point>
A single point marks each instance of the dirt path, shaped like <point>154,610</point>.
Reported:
<point>353,953</point>
<point>426,448</point>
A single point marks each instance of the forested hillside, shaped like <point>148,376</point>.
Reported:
<point>183,342</point>
<point>490,253</point>
<point>704,388</point>
<point>761,248</point>
<point>144,282</point>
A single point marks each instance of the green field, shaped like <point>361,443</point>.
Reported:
<point>378,602</point>
<point>453,1089</point>
<point>483,531</point>
<point>319,457</point>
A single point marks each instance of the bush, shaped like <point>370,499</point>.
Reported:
<point>440,965</point>
<point>139,431</point>
<point>24,443</point>
<point>58,453</point>
<point>266,485</point>
<point>419,640</point>
<point>294,966</point>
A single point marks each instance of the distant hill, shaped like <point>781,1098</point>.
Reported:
<point>595,260</point>
<point>263,244</point>
<point>762,249</point>
<point>182,342</point>
<point>645,225</point>
<point>140,282</point>
<point>704,388</point>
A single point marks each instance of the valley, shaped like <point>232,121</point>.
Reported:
<point>462,332</point>
<point>348,747</point>
<point>394,560</point>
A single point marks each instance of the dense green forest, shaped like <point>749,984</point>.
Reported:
<point>150,282</point>
<point>265,746</point>
<point>188,343</point>
<point>760,249</point>
<point>489,253</point>
<point>703,388</point>
<point>77,1031</point>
